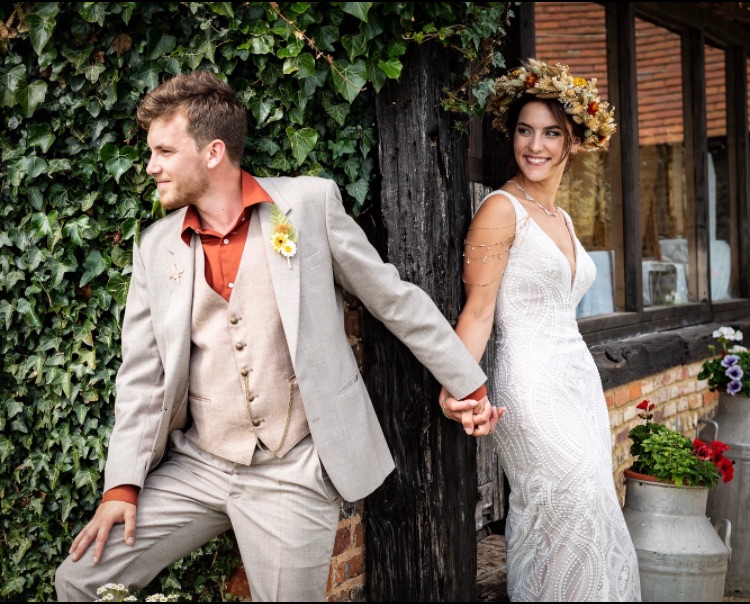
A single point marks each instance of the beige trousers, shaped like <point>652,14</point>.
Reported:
<point>284,513</point>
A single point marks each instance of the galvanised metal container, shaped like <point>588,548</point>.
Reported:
<point>731,500</point>
<point>681,556</point>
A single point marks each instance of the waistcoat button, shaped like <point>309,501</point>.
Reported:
<point>233,320</point>
<point>239,346</point>
<point>256,422</point>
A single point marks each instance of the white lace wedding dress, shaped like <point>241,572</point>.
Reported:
<point>565,533</point>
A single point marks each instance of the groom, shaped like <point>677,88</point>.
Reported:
<point>239,401</point>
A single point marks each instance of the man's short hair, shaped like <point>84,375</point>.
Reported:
<point>210,106</point>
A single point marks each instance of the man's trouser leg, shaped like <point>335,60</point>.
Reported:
<point>284,512</point>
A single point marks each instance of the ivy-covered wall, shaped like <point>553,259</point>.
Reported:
<point>74,195</point>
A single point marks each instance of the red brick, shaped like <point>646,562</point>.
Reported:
<point>343,540</point>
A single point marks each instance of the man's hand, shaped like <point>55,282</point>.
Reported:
<point>107,515</point>
<point>477,417</point>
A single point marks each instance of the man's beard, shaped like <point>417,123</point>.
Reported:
<point>185,194</point>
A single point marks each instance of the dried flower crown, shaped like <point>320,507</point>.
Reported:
<point>578,96</point>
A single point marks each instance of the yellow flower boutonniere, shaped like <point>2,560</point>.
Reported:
<point>284,236</point>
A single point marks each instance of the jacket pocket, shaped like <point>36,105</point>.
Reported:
<point>349,383</point>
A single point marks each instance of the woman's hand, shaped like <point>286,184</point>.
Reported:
<point>478,418</point>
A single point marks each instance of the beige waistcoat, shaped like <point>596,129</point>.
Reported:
<point>241,374</point>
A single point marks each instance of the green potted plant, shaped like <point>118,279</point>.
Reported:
<point>669,456</point>
<point>729,371</point>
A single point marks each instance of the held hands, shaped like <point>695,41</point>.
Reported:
<point>107,515</point>
<point>477,417</point>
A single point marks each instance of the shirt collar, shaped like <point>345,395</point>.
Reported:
<point>252,194</point>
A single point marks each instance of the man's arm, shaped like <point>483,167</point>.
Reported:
<point>139,372</point>
<point>404,308</point>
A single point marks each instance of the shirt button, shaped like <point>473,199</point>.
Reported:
<point>226,242</point>
<point>256,422</point>
<point>239,346</point>
<point>233,320</point>
<point>250,398</point>
<point>230,285</point>
<point>244,372</point>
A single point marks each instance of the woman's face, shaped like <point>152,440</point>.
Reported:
<point>539,143</point>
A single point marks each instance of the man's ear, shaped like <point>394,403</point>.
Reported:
<point>216,151</point>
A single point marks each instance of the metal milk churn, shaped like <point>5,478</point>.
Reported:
<point>731,500</point>
<point>681,557</point>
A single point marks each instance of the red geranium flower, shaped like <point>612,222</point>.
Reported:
<point>645,405</point>
<point>726,467</point>
<point>702,450</point>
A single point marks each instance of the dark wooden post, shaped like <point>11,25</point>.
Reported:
<point>421,539</point>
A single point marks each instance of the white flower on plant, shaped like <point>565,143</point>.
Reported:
<point>736,349</point>
<point>729,334</point>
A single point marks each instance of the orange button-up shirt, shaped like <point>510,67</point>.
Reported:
<point>223,251</point>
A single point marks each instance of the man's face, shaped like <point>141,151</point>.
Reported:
<point>177,165</point>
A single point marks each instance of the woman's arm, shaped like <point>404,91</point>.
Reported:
<point>486,247</point>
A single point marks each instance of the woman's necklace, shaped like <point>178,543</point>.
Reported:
<point>530,198</point>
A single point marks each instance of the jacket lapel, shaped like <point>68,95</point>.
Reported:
<point>179,280</point>
<point>286,281</point>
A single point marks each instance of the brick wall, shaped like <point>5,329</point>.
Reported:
<point>680,399</point>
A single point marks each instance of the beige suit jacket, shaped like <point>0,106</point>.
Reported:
<point>332,253</point>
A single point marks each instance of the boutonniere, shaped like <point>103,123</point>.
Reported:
<point>284,236</point>
<point>176,274</point>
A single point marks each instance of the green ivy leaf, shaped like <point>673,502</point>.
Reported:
<point>9,83</point>
<point>118,287</point>
<point>339,112</point>
<point>95,264</point>
<point>359,190</point>
<point>41,24</point>
<point>25,309</point>
<point>259,45</point>
<point>221,8</point>
<point>6,448</point>
<point>118,160</point>
<point>392,68</point>
<point>158,43</point>
<point>357,9</point>
<point>30,96</point>
<point>95,12</point>
<point>349,79</point>
<point>15,585</point>
<point>354,45</point>
<point>40,135</point>
<point>87,478</point>
<point>303,141</point>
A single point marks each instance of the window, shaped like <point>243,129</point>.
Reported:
<point>668,239</point>
<point>722,221</point>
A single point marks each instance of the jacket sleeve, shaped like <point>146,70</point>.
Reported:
<point>404,308</point>
<point>140,388</point>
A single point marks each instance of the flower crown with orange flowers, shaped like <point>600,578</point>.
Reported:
<point>578,96</point>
